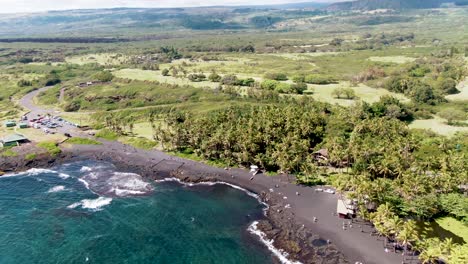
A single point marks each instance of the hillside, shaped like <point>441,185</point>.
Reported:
<point>386,4</point>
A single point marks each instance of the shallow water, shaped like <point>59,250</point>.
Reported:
<point>88,213</point>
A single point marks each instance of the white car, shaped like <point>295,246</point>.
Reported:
<point>330,191</point>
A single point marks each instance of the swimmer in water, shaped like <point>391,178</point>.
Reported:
<point>193,219</point>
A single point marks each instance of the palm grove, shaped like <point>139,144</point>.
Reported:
<point>407,174</point>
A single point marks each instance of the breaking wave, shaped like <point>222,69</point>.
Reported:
<point>55,189</point>
<point>106,182</point>
<point>92,204</point>
<point>280,254</point>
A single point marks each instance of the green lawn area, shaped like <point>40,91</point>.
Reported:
<point>445,227</point>
<point>437,125</point>
<point>143,75</point>
<point>363,92</point>
<point>453,225</point>
<point>143,130</point>
<point>102,58</point>
<point>392,59</point>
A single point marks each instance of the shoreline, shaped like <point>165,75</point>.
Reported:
<point>288,223</point>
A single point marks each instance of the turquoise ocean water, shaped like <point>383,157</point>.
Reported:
<point>87,212</point>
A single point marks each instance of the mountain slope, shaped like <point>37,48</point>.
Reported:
<point>385,4</point>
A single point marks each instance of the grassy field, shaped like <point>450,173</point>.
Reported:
<point>437,125</point>
<point>392,59</point>
<point>368,94</point>
<point>142,75</point>
<point>101,58</point>
<point>453,225</point>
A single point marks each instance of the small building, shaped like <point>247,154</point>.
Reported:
<point>10,123</point>
<point>345,208</point>
<point>13,140</point>
<point>321,155</point>
<point>23,125</point>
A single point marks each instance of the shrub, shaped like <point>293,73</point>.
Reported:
<point>165,72</point>
<point>197,77</point>
<point>107,134</point>
<point>83,141</point>
<point>51,147</point>
<point>229,80</point>
<point>30,156</point>
<point>276,76</point>
<point>73,106</point>
<point>269,85</point>
<point>214,77</point>
<point>104,76</point>
<point>24,83</point>
<point>246,82</point>
<point>452,115</point>
<point>299,88</point>
<point>318,79</point>
<point>347,93</point>
<point>447,86</point>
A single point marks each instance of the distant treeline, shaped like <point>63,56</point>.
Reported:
<point>84,39</point>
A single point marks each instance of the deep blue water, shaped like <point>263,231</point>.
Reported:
<point>88,213</point>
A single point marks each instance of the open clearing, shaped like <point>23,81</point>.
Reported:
<point>463,95</point>
<point>102,58</point>
<point>392,59</point>
<point>437,125</point>
<point>453,225</point>
<point>142,75</point>
<point>363,92</point>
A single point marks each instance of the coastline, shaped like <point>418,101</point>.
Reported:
<point>288,226</point>
<point>286,240</point>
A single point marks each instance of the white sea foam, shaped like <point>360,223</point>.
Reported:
<point>55,189</point>
<point>280,254</point>
<point>249,193</point>
<point>31,172</point>
<point>74,205</point>
<point>95,204</point>
<point>85,169</point>
<point>85,183</point>
<point>105,181</point>
<point>92,204</point>
<point>64,175</point>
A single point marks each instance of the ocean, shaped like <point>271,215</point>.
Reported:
<point>88,212</point>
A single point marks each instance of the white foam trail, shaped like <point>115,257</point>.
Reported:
<point>64,176</point>
<point>55,189</point>
<point>35,172</point>
<point>95,204</point>
<point>85,169</point>
<point>85,183</point>
<point>280,254</point>
<point>74,205</point>
<point>249,193</point>
<point>120,192</point>
<point>92,204</point>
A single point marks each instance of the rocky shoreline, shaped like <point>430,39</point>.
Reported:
<point>297,242</point>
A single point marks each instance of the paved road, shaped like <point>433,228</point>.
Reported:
<point>356,245</point>
<point>35,111</point>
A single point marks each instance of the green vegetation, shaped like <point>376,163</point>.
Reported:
<point>30,156</point>
<point>83,141</point>
<point>107,134</point>
<point>271,87</point>
<point>8,152</point>
<point>51,147</point>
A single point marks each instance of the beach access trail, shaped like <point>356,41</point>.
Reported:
<point>305,203</point>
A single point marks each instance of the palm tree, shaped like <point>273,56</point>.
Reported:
<point>407,234</point>
<point>446,248</point>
